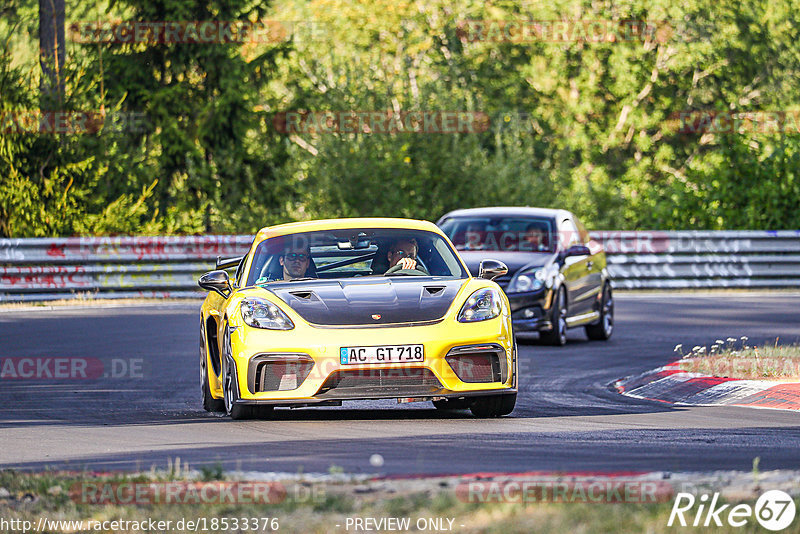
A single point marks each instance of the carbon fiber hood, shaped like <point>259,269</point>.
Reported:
<point>356,301</point>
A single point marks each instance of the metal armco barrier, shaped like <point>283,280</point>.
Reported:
<point>110,267</point>
<point>164,267</point>
<point>702,259</point>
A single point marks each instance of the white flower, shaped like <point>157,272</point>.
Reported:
<point>677,347</point>
<point>696,348</point>
<point>702,350</point>
<point>731,340</point>
<point>719,341</point>
<point>744,338</point>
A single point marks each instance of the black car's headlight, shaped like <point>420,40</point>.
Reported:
<point>527,281</point>
<point>261,313</point>
<point>481,305</point>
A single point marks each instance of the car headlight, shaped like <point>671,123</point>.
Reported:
<point>527,281</point>
<point>261,313</point>
<point>481,305</point>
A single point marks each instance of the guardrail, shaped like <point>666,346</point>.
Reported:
<point>703,259</point>
<point>164,267</point>
<point>110,267</point>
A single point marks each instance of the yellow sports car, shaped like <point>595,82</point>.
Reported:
<point>350,309</point>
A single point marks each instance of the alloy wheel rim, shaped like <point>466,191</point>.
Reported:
<point>203,375</point>
<point>562,321</point>
<point>228,394</point>
<point>228,390</point>
<point>608,314</point>
<point>203,381</point>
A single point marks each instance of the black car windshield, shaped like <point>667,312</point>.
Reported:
<point>501,234</point>
<point>354,252</point>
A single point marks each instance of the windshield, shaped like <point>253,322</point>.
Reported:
<point>352,252</point>
<point>501,234</point>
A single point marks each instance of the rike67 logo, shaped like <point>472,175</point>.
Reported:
<point>774,510</point>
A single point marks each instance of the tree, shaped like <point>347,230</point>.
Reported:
<point>52,52</point>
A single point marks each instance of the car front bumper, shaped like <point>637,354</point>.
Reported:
<point>314,351</point>
<point>531,311</point>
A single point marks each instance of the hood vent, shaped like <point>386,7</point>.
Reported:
<point>345,302</point>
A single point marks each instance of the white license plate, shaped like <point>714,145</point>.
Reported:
<point>382,354</point>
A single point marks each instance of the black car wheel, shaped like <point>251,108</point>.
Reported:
<point>494,405</point>
<point>210,404</point>
<point>603,329</point>
<point>230,384</point>
<point>558,335</point>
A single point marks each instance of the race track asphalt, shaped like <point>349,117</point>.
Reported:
<point>567,418</point>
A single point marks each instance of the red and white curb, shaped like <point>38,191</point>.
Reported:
<point>670,384</point>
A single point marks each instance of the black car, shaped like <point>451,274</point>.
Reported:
<point>557,276</point>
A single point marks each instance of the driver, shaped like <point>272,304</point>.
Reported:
<point>534,238</point>
<point>403,255</point>
<point>295,261</point>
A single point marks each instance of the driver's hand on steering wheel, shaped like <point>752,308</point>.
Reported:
<point>407,263</point>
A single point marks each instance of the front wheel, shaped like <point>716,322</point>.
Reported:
<point>230,384</point>
<point>605,326</point>
<point>494,405</point>
<point>210,404</point>
<point>558,335</point>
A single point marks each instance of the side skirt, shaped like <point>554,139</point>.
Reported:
<point>580,320</point>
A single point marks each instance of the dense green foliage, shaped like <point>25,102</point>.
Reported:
<point>589,126</point>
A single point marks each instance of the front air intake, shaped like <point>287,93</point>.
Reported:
<point>273,372</point>
<point>479,363</point>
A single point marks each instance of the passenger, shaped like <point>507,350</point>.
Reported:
<point>295,262</point>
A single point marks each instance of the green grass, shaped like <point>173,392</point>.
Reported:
<point>320,509</point>
<point>736,359</point>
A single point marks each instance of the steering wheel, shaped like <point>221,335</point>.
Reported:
<point>397,269</point>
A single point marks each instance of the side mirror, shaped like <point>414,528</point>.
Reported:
<point>577,250</point>
<point>216,281</point>
<point>491,269</point>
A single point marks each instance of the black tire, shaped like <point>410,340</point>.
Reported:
<point>605,326</point>
<point>210,404</point>
<point>494,405</point>
<point>230,384</point>
<point>558,335</point>
<point>452,404</point>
